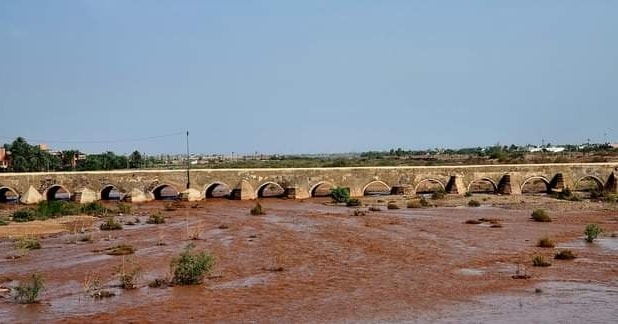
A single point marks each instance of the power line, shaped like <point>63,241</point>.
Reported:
<point>126,140</point>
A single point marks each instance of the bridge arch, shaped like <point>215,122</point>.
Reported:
<point>8,194</point>
<point>269,189</point>
<point>217,189</point>
<point>429,185</point>
<point>57,192</point>
<point>110,192</point>
<point>483,185</point>
<point>535,185</point>
<point>589,183</point>
<point>165,192</point>
<point>376,187</point>
<point>321,189</point>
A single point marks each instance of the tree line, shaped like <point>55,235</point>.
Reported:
<point>24,157</point>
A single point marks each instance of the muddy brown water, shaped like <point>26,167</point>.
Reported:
<point>404,265</point>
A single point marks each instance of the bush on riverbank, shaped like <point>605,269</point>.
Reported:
<point>540,215</point>
<point>546,242</point>
<point>28,292</point>
<point>189,268</point>
<point>592,231</point>
<point>474,203</point>
<point>565,255</point>
<point>111,224</point>
<point>57,208</point>
<point>539,261</point>
<point>156,218</point>
<point>257,210</point>
<point>340,194</point>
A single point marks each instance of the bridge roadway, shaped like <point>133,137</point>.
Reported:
<point>298,183</point>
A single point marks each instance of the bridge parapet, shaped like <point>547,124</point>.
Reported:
<point>143,185</point>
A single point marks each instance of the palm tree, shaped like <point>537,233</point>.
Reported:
<point>135,160</point>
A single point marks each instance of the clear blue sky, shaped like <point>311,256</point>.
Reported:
<point>307,76</point>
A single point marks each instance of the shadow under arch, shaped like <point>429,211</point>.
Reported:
<point>321,189</point>
<point>589,183</point>
<point>482,185</point>
<point>8,195</point>
<point>165,192</point>
<point>57,192</point>
<point>269,189</point>
<point>217,189</point>
<point>429,185</point>
<point>535,185</point>
<point>110,192</point>
<point>376,188</point>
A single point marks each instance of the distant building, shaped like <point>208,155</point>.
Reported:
<point>4,158</point>
<point>552,149</point>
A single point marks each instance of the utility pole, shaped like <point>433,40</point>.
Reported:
<point>188,162</point>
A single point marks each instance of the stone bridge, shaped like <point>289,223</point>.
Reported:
<point>299,183</point>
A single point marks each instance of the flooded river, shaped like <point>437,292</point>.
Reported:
<point>310,261</point>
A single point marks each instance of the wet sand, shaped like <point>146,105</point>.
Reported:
<point>403,265</point>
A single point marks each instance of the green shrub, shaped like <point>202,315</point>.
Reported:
<point>375,208</point>
<point>24,215</point>
<point>158,283</point>
<point>468,194</point>
<point>392,205</point>
<point>546,242</point>
<point>340,194</point>
<point>565,255</point>
<point>540,215</point>
<point>121,249</point>
<point>27,243</point>
<point>28,292</point>
<point>610,198</point>
<point>93,286</point>
<point>4,221</point>
<point>156,218</point>
<point>424,202</point>
<point>129,274</point>
<point>353,202</point>
<point>190,267</point>
<point>169,207</point>
<point>47,209</point>
<point>94,208</point>
<point>539,261</point>
<point>124,208</point>
<point>474,203</point>
<point>110,224</point>
<point>603,196</point>
<point>414,204</point>
<point>592,231</point>
<point>257,210</point>
<point>56,208</point>
<point>566,194</point>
